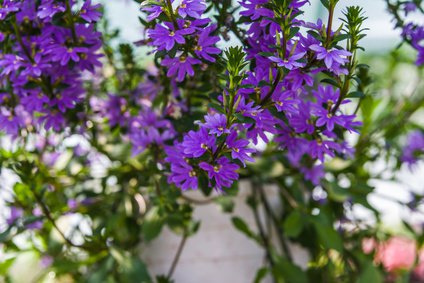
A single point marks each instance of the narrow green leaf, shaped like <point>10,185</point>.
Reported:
<point>242,226</point>
<point>260,275</point>
<point>293,224</point>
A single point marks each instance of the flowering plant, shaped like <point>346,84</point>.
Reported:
<point>90,132</point>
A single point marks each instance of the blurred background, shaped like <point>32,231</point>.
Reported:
<point>218,246</point>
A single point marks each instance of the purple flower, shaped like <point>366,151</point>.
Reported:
<point>314,174</point>
<point>35,69</point>
<point>414,148</point>
<point>182,174</point>
<point>154,11</point>
<point>49,8</point>
<point>15,214</point>
<point>254,79</point>
<point>53,120</point>
<point>10,63</point>
<point>302,122</point>
<point>37,54</point>
<point>255,10</point>
<point>90,12</point>
<point>286,102</point>
<point>37,224</point>
<point>223,172</point>
<point>9,122</point>
<point>166,37</point>
<point>180,66</point>
<point>216,123</point>
<point>46,261</point>
<point>116,111</point>
<point>206,44</point>
<point>319,148</point>
<point>332,58</point>
<point>239,149</point>
<point>248,109</point>
<point>326,95</point>
<point>195,144</point>
<point>327,118</point>
<point>72,204</point>
<point>149,128</point>
<point>64,54</point>
<point>50,158</point>
<point>9,6</point>
<point>265,123</point>
<point>410,7</point>
<point>289,63</point>
<point>192,8</point>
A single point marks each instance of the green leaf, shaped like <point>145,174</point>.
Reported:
<point>289,272</point>
<point>152,224</point>
<point>336,193</point>
<point>370,274</point>
<point>260,275</point>
<point>341,37</point>
<point>163,279</point>
<point>134,270</point>
<point>356,94</point>
<point>244,228</point>
<point>226,203</point>
<point>243,119</point>
<point>314,34</point>
<point>266,54</point>
<point>217,107</point>
<point>4,236</point>
<point>293,32</point>
<point>293,224</point>
<point>5,265</point>
<point>331,82</point>
<point>329,238</point>
<point>101,273</point>
<point>325,3</point>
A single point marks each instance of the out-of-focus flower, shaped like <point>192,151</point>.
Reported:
<point>396,254</point>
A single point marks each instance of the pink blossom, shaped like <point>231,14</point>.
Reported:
<point>396,254</point>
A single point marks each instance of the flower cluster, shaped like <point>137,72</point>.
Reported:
<point>138,120</point>
<point>45,46</point>
<point>201,153</point>
<point>412,32</point>
<point>275,100</point>
<point>184,36</point>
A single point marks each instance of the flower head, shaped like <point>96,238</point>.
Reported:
<point>180,66</point>
<point>239,148</point>
<point>333,58</point>
<point>195,144</point>
<point>192,8</point>
<point>223,172</point>
<point>90,12</point>
<point>216,123</point>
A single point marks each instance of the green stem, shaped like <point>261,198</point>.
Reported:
<point>21,43</point>
<point>265,241</point>
<point>177,256</point>
<point>71,21</point>
<point>329,24</point>
<point>275,221</point>
<point>171,13</point>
